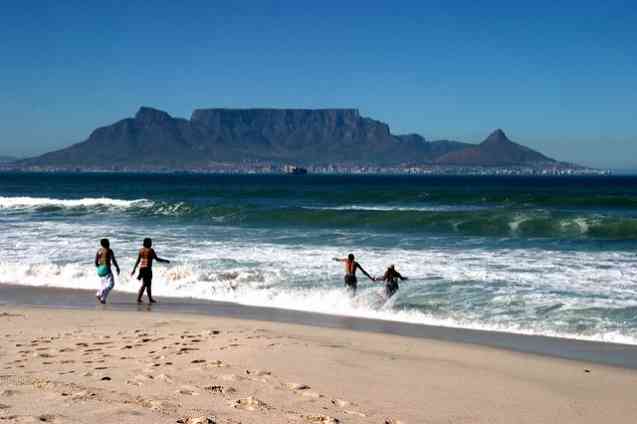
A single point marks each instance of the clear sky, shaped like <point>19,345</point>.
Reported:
<point>558,76</point>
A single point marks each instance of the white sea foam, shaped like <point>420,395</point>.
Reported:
<point>500,289</point>
<point>513,290</point>
<point>37,202</point>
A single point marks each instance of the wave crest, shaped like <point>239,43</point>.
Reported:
<point>87,202</point>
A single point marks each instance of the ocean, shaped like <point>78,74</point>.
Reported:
<point>542,255</point>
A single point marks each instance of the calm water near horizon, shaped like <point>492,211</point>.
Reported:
<point>551,256</point>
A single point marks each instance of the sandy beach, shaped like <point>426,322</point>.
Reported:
<point>86,366</point>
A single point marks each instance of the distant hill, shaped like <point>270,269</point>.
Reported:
<point>154,139</point>
<point>7,159</point>
<point>495,150</point>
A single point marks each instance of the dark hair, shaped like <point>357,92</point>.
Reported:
<point>350,257</point>
<point>105,243</point>
<point>148,242</point>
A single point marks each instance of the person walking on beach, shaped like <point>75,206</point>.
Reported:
<point>104,259</point>
<point>391,278</point>
<point>350,272</point>
<point>145,261</point>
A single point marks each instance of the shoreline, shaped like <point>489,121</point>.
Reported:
<point>596,352</point>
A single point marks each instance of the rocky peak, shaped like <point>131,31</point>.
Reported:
<point>497,137</point>
<point>148,115</point>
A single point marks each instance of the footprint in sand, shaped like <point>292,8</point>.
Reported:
<point>310,394</point>
<point>392,421</point>
<point>258,373</point>
<point>231,377</point>
<point>197,420</point>
<point>297,386</point>
<point>217,364</point>
<point>188,391</point>
<point>84,395</point>
<point>9,393</point>
<point>322,419</point>
<point>48,418</point>
<point>185,350</point>
<point>198,361</point>
<point>162,406</point>
<point>250,404</point>
<point>342,403</point>
<point>354,413</point>
<point>164,377</point>
<point>219,389</point>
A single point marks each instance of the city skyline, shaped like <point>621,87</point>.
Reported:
<point>557,78</point>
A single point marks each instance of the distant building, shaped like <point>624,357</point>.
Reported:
<point>294,170</point>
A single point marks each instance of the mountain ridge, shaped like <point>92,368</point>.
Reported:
<point>152,138</point>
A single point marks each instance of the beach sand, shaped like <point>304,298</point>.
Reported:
<point>104,366</point>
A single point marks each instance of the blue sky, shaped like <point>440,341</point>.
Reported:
<point>558,76</point>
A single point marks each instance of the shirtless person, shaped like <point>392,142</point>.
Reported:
<point>350,272</point>
<point>103,259</point>
<point>391,278</point>
<point>145,261</point>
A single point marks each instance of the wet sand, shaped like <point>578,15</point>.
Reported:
<point>602,353</point>
<point>86,364</point>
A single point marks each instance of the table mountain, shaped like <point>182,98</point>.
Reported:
<point>154,139</point>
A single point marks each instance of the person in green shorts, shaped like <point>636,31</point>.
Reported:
<point>104,259</point>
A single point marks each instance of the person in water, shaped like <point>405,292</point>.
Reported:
<point>145,261</point>
<point>104,259</point>
<point>391,278</point>
<point>351,266</point>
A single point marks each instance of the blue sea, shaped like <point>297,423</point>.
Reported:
<point>550,256</point>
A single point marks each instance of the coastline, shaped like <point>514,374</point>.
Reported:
<point>602,353</point>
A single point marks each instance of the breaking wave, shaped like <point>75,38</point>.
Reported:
<point>428,219</point>
<point>49,204</point>
<point>571,295</point>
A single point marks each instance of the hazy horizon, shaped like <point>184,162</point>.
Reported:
<point>558,78</point>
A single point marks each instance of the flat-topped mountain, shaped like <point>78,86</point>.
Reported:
<point>154,139</point>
